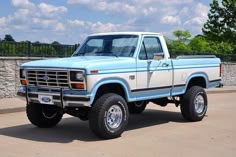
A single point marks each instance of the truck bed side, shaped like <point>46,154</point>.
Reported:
<point>205,71</point>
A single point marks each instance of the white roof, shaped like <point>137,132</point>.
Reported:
<point>125,33</point>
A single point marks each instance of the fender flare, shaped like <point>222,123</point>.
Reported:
<point>197,74</point>
<point>110,80</point>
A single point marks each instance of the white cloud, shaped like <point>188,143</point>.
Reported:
<point>137,2</point>
<point>3,21</point>
<point>51,10</point>
<point>143,1</point>
<point>195,21</point>
<point>44,23</point>
<point>79,23</point>
<point>130,8</point>
<point>22,3</point>
<point>94,26</point>
<point>79,1</point>
<point>19,20</point>
<point>41,20</point>
<point>171,20</point>
<point>104,27</point>
<point>184,11</point>
<point>149,10</point>
<point>35,22</point>
<point>198,15</point>
<point>176,2</point>
<point>59,27</point>
<point>201,10</point>
<point>115,7</point>
<point>83,35</point>
<point>168,10</point>
<point>39,17</point>
<point>77,30</point>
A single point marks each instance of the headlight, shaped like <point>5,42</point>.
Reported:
<point>22,73</point>
<point>80,76</point>
<point>77,76</point>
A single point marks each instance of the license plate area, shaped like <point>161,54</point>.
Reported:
<point>45,99</point>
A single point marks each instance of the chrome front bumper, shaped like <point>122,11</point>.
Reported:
<point>60,97</point>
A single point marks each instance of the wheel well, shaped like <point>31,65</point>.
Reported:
<point>197,81</point>
<point>110,88</point>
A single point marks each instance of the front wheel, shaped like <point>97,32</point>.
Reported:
<point>109,116</point>
<point>194,104</point>
<point>43,116</point>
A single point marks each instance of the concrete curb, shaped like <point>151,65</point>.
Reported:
<point>22,109</point>
<point>12,110</point>
<point>220,91</point>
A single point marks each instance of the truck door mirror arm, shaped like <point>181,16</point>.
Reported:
<point>158,56</point>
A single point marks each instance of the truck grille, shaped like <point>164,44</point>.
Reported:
<point>48,78</point>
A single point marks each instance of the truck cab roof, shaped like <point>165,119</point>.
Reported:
<point>126,33</point>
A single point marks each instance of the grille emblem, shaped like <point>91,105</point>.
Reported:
<point>45,78</point>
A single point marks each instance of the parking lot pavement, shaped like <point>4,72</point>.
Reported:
<point>225,89</point>
<point>159,131</point>
<point>10,105</point>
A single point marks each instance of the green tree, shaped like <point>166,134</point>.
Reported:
<point>200,44</point>
<point>222,47</point>
<point>21,48</point>
<point>182,35</point>
<point>55,43</point>
<point>221,24</point>
<point>8,37</point>
<point>43,50</point>
<point>36,42</point>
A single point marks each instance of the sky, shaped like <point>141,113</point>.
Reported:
<point>70,21</point>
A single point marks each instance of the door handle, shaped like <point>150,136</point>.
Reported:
<point>165,65</point>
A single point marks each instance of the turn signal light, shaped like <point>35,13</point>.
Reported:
<point>78,86</point>
<point>94,71</point>
<point>23,82</point>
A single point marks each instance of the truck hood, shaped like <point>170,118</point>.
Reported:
<point>83,62</point>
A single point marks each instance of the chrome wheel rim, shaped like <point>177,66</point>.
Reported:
<point>114,116</point>
<point>49,115</point>
<point>199,104</point>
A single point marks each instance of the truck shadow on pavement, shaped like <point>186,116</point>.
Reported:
<point>70,129</point>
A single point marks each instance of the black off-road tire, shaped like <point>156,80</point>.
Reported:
<point>43,116</point>
<point>100,112</point>
<point>137,107</point>
<point>190,111</point>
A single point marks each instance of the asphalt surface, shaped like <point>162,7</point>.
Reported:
<point>156,132</point>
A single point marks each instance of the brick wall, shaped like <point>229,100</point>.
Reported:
<point>9,74</point>
<point>229,74</point>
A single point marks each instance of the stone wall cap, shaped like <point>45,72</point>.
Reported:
<point>24,58</point>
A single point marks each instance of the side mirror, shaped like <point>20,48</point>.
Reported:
<point>158,56</point>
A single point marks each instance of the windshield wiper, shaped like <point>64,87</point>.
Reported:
<point>79,54</point>
<point>115,55</point>
<point>102,52</point>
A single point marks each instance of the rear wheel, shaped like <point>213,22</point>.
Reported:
<point>109,115</point>
<point>43,116</point>
<point>194,104</point>
<point>137,107</point>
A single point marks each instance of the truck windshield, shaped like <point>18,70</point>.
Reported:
<point>109,45</point>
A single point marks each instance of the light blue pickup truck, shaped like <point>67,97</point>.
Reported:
<point>112,75</point>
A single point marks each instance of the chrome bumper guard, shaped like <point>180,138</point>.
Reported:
<point>59,98</point>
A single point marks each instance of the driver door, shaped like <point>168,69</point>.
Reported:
<point>153,76</point>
